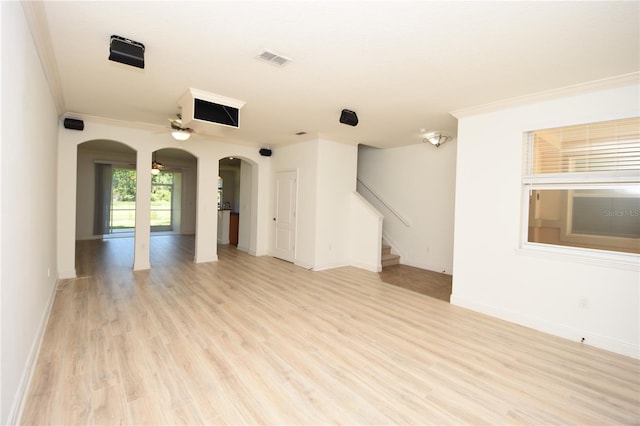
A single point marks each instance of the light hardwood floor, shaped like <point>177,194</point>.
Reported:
<point>252,340</point>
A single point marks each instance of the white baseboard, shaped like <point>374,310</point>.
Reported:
<point>560,330</point>
<point>302,264</point>
<point>64,275</point>
<point>367,266</point>
<point>15,413</point>
<point>204,259</point>
<point>330,266</point>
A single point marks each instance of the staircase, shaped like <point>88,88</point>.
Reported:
<point>389,259</point>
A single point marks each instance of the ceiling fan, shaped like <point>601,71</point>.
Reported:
<point>179,132</point>
<point>156,166</point>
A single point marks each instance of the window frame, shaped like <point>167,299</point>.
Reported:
<point>171,186</point>
<point>569,181</point>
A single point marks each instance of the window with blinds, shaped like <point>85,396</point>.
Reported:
<point>610,149</point>
<point>583,186</point>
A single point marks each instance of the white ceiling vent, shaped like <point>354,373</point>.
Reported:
<point>273,58</point>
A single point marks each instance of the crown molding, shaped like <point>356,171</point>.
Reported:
<point>150,127</point>
<point>592,86</point>
<point>115,122</point>
<point>37,21</point>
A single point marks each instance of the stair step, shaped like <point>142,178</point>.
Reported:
<point>390,259</point>
<point>386,249</point>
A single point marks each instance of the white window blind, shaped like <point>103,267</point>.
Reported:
<point>597,152</point>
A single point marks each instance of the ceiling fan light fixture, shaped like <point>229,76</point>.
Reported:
<point>156,167</point>
<point>180,135</point>
<point>436,139</point>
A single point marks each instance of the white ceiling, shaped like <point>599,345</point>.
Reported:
<point>401,65</point>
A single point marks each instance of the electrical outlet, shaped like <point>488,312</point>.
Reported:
<point>583,303</point>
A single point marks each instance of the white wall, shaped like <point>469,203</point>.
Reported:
<point>418,182</point>
<point>365,227</point>
<point>326,181</point>
<point>28,177</point>
<point>566,296</point>
<point>336,181</point>
<point>302,157</point>
<point>244,226</point>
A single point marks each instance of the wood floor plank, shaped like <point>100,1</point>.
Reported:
<point>109,406</point>
<point>256,340</point>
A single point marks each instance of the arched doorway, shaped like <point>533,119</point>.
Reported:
<point>105,197</point>
<point>173,205</point>
<point>236,207</point>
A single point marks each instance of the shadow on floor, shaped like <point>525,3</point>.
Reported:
<point>429,283</point>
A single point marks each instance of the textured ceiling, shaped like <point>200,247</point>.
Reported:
<point>402,66</point>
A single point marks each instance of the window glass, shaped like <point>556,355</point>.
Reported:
<point>161,201</point>
<point>604,218</point>
<point>583,185</point>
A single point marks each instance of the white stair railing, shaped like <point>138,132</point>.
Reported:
<point>384,203</point>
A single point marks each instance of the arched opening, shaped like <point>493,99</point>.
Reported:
<point>173,205</point>
<point>189,212</point>
<point>236,212</point>
<point>105,197</point>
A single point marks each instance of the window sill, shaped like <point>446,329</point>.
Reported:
<point>618,260</point>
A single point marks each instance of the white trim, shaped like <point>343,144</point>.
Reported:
<point>300,264</point>
<point>211,97</point>
<point>330,266</point>
<point>555,329</point>
<point>621,176</point>
<point>592,86</point>
<point>605,258</point>
<point>15,413</point>
<point>367,266</point>
<point>37,21</point>
<point>67,275</point>
<point>608,259</point>
<point>203,259</point>
<point>115,122</point>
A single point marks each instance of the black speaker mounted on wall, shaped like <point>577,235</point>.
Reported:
<point>73,124</point>
<point>349,117</point>
<point>126,51</point>
<point>265,152</point>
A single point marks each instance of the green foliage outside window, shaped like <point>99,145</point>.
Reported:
<point>123,205</point>
<point>124,185</point>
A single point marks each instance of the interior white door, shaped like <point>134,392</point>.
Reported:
<point>285,219</point>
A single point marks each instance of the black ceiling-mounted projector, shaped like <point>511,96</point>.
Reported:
<point>126,51</point>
